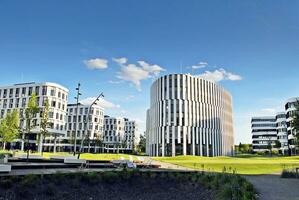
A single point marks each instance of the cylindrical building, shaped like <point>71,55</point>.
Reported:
<point>189,116</point>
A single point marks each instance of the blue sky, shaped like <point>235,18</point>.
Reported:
<point>250,47</point>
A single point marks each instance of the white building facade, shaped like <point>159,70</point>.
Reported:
<point>17,97</point>
<point>268,130</point>
<point>87,122</point>
<point>264,133</point>
<point>282,133</point>
<point>120,134</point>
<point>189,116</point>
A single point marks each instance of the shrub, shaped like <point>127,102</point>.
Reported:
<point>8,182</point>
<point>288,174</point>
<point>110,177</point>
<point>29,180</point>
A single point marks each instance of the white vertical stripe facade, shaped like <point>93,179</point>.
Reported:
<point>191,116</point>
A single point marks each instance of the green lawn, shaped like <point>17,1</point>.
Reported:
<point>87,156</point>
<point>242,165</point>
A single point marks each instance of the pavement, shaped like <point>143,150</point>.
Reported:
<point>272,187</point>
<point>164,165</point>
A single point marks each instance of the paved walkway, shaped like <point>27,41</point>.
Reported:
<point>272,187</point>
<point>165,165</point>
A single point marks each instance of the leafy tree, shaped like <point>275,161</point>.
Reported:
<point>277,144</point>
<point>269,147</point>
<point>240,148</point>
<point>9,127</point>
<point>142,144</point>
<point>44,125</point>
<point>295,123</point>
<point>30,122</point>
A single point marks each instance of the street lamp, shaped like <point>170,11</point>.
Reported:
<point>87,121</point>
<point>77,107</point>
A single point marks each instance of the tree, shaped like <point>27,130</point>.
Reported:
<point>277,144</point>
<point>9,127</point>
<point>44,125</point>
<point>269,147</point>
<point>142,144</point>
<point>295,123</point>
<point>240,147</point>
<point>30,122</point>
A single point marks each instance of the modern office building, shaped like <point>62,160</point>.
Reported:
<point>282,134</point>
<point>264,133</point>
<point>290,109</point>
<point>268,130</point>
<point>120,134</point>
<point>189,115</point>
<point>88,125</point>
<point>17,97</point>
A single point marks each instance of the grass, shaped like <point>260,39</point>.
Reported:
<point>87,156</point>
<point>242,165</point>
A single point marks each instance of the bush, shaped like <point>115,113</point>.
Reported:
<point>288,174</point>
<point>110,177</point>
<point>7,182</point>
<point>29,180</point>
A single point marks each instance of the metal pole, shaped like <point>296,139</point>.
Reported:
<point>87,122</point>
<point>77,107</point>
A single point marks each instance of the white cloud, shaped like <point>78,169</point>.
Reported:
<point>219,75</point>
<point>122,60</point>
<point>96,63</point>
<point>130,97</point>
<point>199,65</point>
<point>135,73</point>
<point>102,102</point>
<point>153,69</point>
<point>114,82</point>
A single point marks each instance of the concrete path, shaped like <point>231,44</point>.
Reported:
<point>272,187</point>
<point>164,165</point>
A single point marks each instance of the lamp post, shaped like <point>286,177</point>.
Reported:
<point>77,107</point>
<point>87,121</point>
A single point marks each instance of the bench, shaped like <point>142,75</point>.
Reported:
<point>5,168</point>
<point>123,163</point>
<point>62,157</point>
<point>23,156</point>
<point>74,161</point>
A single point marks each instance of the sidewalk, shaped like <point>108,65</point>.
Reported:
<point>272,187</point>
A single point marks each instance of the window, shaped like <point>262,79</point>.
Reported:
<point>30,91</point>
<point>44,90</point>
<point>10,103</point>
<point>53,104</point>
<point>52,92</point>
<point>10,93</point>
<point>37,90</point>
<point>23,102</point>
<point>17,92</point>
<point>51,114</point>
<point>4,93</point>
<point>23,91</point>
